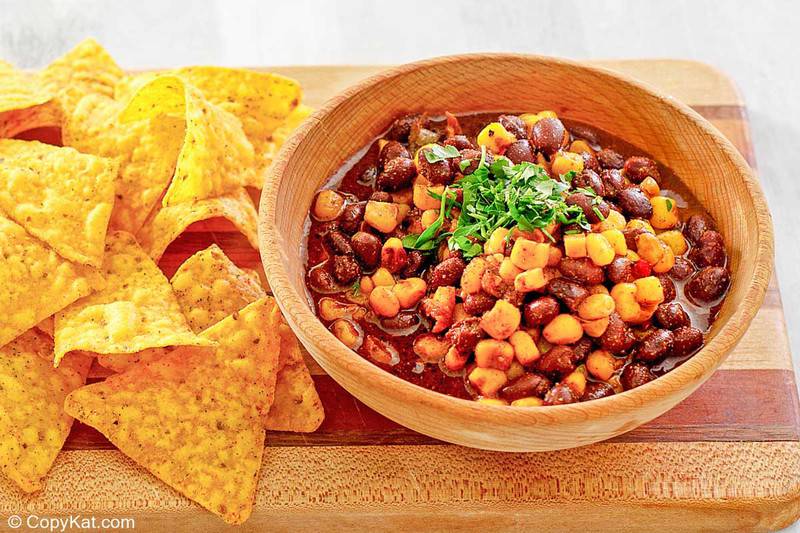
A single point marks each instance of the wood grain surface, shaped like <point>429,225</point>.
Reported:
<point>728,458</point>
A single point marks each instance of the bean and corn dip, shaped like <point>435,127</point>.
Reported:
<point>515,259</point>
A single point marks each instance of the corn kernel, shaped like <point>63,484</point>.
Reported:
<point>423,200</point>
<point>563,329</point>
<point>599,249</point>
<point>349,333</point>
<point>601,364</point>
<point>527,254</point>
<point>638,223</point>
<point>430,348</point>
<point>614,220</point>
<point>383,301</point>
<point>597,289</point>
<point>625,302</point>
<point>330,309</point>
<point>665,212</point>
<point>575,245</point>
<point>576,380</point>
<point>366,285</point>
<point>617,240</point>
<point>530,401</point>
<point>495,138</point>
<point>675,240</point>
<point>580,147</point>
<point>515,370</point>
<point>530,280</point>
<point>595,328</point>
<point>328,205</point>
<point>508,271</point>
<point>633,256</point>
<point>488,381</point>
<point>649,248</point>
<point>525,349</point>
<point>492,401</point>
<point>381,215</point>
<point>496,244</point>
<point>429,216</point>
<point>566,162</point>
<point>649,290</point>
<point>650,187</point>
<point>667,260</point>
<point>554,256</point>
<point>471,278</point>
<point>382,277</point>
<point>455,361</point>
<point>409,291</point>
<point>403,196</point>
<point>501,320</point>
<point>492,353</point>
<point>596,306</point>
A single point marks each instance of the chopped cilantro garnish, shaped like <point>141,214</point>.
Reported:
<point>438,153</point>
<point>507,195</point>
<point>670,203</point>
<point>429,239</point>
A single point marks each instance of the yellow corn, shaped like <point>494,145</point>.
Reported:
<point>599,249</point>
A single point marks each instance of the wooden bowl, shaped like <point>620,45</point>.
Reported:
<point>671,132</point>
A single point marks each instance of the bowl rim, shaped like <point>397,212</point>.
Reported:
<point>686,376</point>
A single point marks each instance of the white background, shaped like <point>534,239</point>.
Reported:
<point>756,42</point>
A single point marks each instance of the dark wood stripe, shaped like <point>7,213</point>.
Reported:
<point>734,405</point>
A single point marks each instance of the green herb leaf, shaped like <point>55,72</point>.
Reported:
<point>438,153</point>
<point>670,204</point>
<point>506,195</point>
<point>355,289</point>
<point>464,164</point>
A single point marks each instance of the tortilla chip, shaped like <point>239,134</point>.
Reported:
<point>24,103</point>
<point>33,423</point>
<point>120,362</point>
<point>146,152</point>
<point>193,417</point>
<point>86,69</point>
<point>168,223</point>
<point>137,310</point>
<point>209,286</point>
<point>59,195</point>
<point>280,135</point>
<point>263,101</point>
<point>297,406</point>
<point>48,326</point>
<point>35,282</point>
<point>216,156</point>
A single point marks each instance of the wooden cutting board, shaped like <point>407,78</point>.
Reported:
<point>728,458</point>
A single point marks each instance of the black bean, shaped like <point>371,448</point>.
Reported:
<point>709,250</point>
<point>514,125</point>
<point>446,273</point>
<point>367,248</point>
<point>618,337</point>
<point>520,151</point>
<point>559,395</point>
<point>582,270</point>
<point>671,315</point>
<point>687,341</point>
<point>620,271</point>
<point>654,345</point>
<point>596,390</point>
<point>351,218</point>
<point>610,159</point>
<point>526,386</point>
<point>479,303</point>
<point>708,285</point>
<point>634,203</point>
<point>549,136</point>
<point>345,269</point>
<point>540,311</point>
<point>637,168</point>
<point>339,243</point>
<point>696,226</point>
<point>570,292</point>
<point>557,362</point>
<point>635,375</point>
<point>397,175</point>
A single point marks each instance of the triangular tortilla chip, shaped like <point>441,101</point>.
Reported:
<point>263,101</point>
<point>210,286</point>
<point>145,150</point>
<point>193,417</point>
<point>58,195</point>
<point>24,103</point>
<point>120,362</point>
<point>35,282</point>
<point>33,423</point>
<point>137,310</point>
<point>216,156</point>
<point>166,224</point>
<point>297,406</point>
<point>280,135</point>
<point>86,69</point>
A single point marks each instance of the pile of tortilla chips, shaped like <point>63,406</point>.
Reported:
<point>204,363</point>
